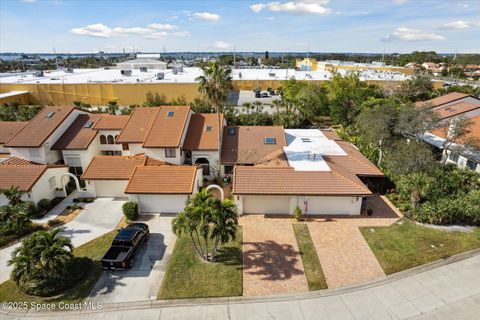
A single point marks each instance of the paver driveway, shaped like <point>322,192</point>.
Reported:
<point>271,261</point>
<point>345,256</point>
<point>143,281</point>
<point>98,218</point>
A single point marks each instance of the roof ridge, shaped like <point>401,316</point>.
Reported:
<point>151,125</point>
<point>348,179</point>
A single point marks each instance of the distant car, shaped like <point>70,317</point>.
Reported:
<point>121,254</point>
<point>265,95</point>
<point>258,94</point>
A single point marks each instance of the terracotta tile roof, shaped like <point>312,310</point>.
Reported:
<point>264,180</point>
<point>247,145</point>
<point>39,129</point>
<point>167,131</point>
<point>162,180</point>
<point>112,167</point>
<point>77,136</point>
<point>456,109</point>
<point>472,131</point>
<point>198,138</point>
<point>138,125</point>
<point>111,122</point>
<point>330,134</point>
<point>355,161</point>
<point>9,128</point>
<point>447,98</point>
<point>20,173</point>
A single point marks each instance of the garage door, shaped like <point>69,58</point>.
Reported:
<point>161,203</point>
<point>110,189</point>
<point>334,205</point>
<point>266,204</point>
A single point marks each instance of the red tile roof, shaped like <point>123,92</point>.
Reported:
<point>198,138</point>
<point>111,122</point>
<point>78,136</point>
<point>162,180</point>
<point>438,101</point>
<point>40,128</point>
<point>455,109</point>
<point>20,173</point>
<point>9,128</point>
<point>112,167</point>
<point>168,131</point>
<point>138,125</point>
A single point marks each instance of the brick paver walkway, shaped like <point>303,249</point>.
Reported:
<point>344,254</point>
<point>271,261</point>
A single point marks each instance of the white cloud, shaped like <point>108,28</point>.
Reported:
<point>162,26</point>
<point>400,1</point>
<point>28,1</point>
<point>409,34</point>
<point>156,35</point>
<point>207,16</point>
<point>135,30</point>
<point>459,24</point>
<point>296,7</point>
<point>221,45</point>
<point>94,30</point>
<point>100,30</point>
<point>182,34</point>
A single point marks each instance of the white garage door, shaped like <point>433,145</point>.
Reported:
<point>266,204</point>
<point>110,189</point>
<point>334,205</point>
<point>150,203</point>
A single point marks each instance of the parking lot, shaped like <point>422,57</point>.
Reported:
<point>143,281</point>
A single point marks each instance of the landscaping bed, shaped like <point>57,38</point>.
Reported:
<point>94,250</point>
<point>406,244</point>
<point>187,276</point>
<point>311,263</point>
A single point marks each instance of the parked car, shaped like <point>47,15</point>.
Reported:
<point>265,95</point>
<point>121,254</point>
<point>258,94</point>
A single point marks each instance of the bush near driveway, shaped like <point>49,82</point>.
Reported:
<point>130,210</point>
<point>188,276</point>
<point>406,244</point>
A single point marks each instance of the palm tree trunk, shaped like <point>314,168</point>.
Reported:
<point>195,245</point>
<point>215,247</point>
<point>200,245</point>
<point>219,139</point>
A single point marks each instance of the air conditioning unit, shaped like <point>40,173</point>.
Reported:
<point>39,73</point>
<point>160,76</point>
<point>143,69</point>
<point>69,70</point>
<point>174,70</point>
<point>126,72</point>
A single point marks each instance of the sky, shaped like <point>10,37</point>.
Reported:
<point>446,26</point>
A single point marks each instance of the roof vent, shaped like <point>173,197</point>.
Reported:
<point>89,124</point>
<point>306,140</point>
<point>170,114</point>
<point>231,131</point>
<point>50,114</point>
<point>208,128</point>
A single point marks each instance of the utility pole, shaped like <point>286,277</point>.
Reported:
<point>234,57</point>
<point>56,61</point>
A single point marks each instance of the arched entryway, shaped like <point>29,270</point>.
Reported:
<point>214,186</point>
<point>71,175</point>
<point>205,164</point>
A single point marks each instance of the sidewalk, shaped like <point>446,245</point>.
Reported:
<point>444,290</point>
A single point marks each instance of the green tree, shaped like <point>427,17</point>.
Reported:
<point>154,100</point>
<point>13,195</point>
<point>417,185</point>
<point>112,107</point>
<point>208,222</point>
<point>419,87</point>
<point>405,157</point>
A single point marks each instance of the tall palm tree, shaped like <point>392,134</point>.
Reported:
<point>13,194</point>
<point>417,185</point>
<point>225,223</point>
<point>43,255</point>
<point>248,106</point>
<point>215,85</point>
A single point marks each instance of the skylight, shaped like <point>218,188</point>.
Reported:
<point>170,114</point>
<point>50,114</point>
<point>89,124</point>
<point>208,128</point>
<point>231,131</point>
<point>270,141</point>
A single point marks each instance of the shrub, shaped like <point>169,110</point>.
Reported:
<point>27,207</point>
<point>130,210</point>
<point>43,205</point>
<point>297,213</point>
<point>54,223</point>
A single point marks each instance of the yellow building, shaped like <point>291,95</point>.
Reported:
<point>306,64</point>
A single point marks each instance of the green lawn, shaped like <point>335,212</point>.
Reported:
<point>187,276</point>
<point>94,249</point>
<point>311,263</point>
<point>402,246</point>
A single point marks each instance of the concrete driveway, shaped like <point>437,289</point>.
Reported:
<point>143,281</point>
<point>98,218</point>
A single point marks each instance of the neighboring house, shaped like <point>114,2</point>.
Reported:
<point>201,143</point>
<point>35,140</point>
<point>311,170</point>
<point>159,132</point>
<point>459,151</point>
<point>109,127</point>
<point>39,181</point>
<point>157,186</point>
<point>452,105</point>
<point>7,130</point>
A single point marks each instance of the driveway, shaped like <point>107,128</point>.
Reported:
<point>271,260</point>
<point>143,281</point>
<point>98,218</point>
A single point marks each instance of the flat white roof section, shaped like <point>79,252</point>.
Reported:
<point>12,94</point>
<point>306,147</point>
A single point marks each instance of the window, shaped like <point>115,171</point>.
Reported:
<point>52,183</point>
<point>125,146</point>
<point>270,141</point>
<point>110,140</point>
<point>208,128</point>
<point>112,153</point>
<point>170,114</point>
<point>453,157</point>
<point>228,169</point>
<point>206,169</point>
<point>170,153</point>
<point>75,165</point>
<point>76,171</point>
<point>103,139</point>
<point>231,131</point>
<point>471,165</point>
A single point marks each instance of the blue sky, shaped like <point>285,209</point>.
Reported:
<point>320,25</point>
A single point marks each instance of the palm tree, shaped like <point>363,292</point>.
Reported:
<point>43,255</point>
<point>248,106</point>
<point>258,106</point>
<point>417,185</point>
<point>215,85</point>
<point>207,219</point>
<point>13,194</point>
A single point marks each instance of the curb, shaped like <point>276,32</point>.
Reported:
<point>146,304</point>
